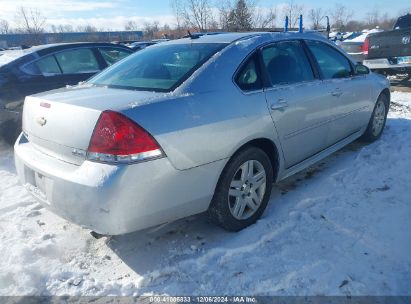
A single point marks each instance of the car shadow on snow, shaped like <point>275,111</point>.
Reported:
<point>170,244</point>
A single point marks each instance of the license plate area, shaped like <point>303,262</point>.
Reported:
<point>38,183</point>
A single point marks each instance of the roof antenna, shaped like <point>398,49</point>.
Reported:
<point>286,24</point>
<point>301,24</point>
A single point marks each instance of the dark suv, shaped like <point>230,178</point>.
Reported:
<point>47,67</point>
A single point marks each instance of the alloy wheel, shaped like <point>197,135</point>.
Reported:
<point>247,189</point>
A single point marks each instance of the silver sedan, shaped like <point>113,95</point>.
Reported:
<point>197,124</point>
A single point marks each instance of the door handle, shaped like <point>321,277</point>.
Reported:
<point>281,104</point>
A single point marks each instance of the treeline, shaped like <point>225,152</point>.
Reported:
<point>219,15</point>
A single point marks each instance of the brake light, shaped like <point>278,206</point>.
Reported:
<point>118,139</point>
<point>366,46</point>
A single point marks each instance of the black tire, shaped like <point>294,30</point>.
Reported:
<point>9,131</point>
<point>370,135</point>
<point>222,204</point>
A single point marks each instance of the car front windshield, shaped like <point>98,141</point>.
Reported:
<point>159,68</point>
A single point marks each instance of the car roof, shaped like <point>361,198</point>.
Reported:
<point>10,56</point>
<point>49,48</point>
<point>232,37</point>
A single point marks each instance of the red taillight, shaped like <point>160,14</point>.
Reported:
<point>366,46</point>
<point>117,138</point>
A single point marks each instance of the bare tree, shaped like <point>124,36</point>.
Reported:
<point>340,16</point>
<point>293,11</point>
<point>150,29</point>
<point>4,27</point>
<point>316,16</point>
<point>193,13</point>
<point>87,28</point>
<point>264,18</point>
<point>61,28</point>
<point>373,18</point>
<point>30,21</point>
<point>177,11</point>
<point>131,26</point>
<point>224,9</point>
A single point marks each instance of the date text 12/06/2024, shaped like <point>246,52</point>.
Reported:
<point>202,299</point>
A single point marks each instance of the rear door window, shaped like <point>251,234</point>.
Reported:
<point>287,63</point>
<point>77,61</point>
<point>331,62</point>
<point>112,55</point>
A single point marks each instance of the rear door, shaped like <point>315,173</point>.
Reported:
<point>298,102</point>
<point>349,93</point>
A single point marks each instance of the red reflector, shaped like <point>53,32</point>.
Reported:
<point>115,134</point>
<point>45,105</point>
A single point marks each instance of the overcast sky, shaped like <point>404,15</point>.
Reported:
<point>113,14</point>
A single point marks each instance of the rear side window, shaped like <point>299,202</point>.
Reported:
<point>332,63</point>
<point>112,55</point>
<point>249,78</point>
<point>77,61</point>
<point>286,62</point>
<point>46,66</point>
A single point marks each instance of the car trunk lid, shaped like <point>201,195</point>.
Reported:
<point>352,47</point>
<point>60,123</point>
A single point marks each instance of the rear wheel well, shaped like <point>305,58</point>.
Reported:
<point>268,147</point>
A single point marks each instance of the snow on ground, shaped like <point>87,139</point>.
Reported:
<point>342,227</point>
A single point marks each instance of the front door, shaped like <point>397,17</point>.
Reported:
<point>298,102</point>
<point>350,93</point>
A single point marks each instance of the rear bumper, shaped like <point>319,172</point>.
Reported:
<point>115,199</point>
<point>385,64</point>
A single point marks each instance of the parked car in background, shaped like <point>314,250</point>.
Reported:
<point>197,124</point>
<point>47,67</point>
<point>390,52</point>
<point>356,46</point>
<point>137,46</point>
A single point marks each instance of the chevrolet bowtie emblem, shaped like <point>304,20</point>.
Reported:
<point>41,121</point>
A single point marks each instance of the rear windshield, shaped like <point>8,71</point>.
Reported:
<point>159,68</point>
<point>9,56</point>
<point>403,22</point>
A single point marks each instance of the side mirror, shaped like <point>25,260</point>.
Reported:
<point>361,69</point>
